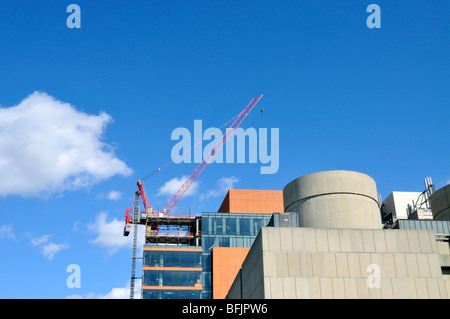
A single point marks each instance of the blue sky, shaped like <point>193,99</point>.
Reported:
<point>86,112</point>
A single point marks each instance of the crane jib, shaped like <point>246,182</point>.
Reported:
<point>242,115</point>
<point>238,119</point>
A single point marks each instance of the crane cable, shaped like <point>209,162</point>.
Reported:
<point>262,119</point>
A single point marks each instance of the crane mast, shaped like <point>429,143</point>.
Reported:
<point>136,212</point>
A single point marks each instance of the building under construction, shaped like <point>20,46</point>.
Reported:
<point>186,256</point>
<point>162,228</point>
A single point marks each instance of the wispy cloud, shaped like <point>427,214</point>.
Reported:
<point>48,249</point>
<point>40,240</point>
<point>222,186</point>
<point>48,146</point>
<point>172,186</point>
<point>220,189</point>
<point>226,183</point>
<point>6,231</point>
<point>114,195</point>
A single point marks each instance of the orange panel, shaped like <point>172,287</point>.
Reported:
<point>196,287</point>
<point>173,268</point>
<point>252,201</point>
<point>226,262</point>
<point>172,249</point>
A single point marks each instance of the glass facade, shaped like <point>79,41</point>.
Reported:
<point>172,258</point>
<point>171,272</point>
<point>171,294</point>
<point>226,230</point>
<point>184,272</point>
<point>171,278</point>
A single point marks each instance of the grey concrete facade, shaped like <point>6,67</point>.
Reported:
<point>340,249</point>
<point>444,258</point>
<point>334,199</point>
<point>290,263</point>
<point>440,203</point>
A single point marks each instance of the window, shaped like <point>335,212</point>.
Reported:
<point>156,258</point>
<point>230,225</point>
<point>217,226</point>
<point>170,278</point>
<point>171,294</point>
<point>244,226</point>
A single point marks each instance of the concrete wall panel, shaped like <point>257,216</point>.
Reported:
<point>334,199</point>
<point>440,203</point>
<point>407,272</point>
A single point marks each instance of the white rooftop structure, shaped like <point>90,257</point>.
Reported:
<point>399,204</point>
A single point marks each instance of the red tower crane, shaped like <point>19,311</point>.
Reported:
<point>139,217</point>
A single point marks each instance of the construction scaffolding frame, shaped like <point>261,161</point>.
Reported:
<point>172,229</point>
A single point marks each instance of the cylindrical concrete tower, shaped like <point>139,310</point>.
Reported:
<point>440,203</point>
<point>334,199</point>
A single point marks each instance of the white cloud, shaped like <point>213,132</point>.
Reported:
<point>41,240</point>
<point>115,293</point>
<point>89,295</point>
<point>6,231</point>
<point>114,195</point>
<point>75,227</point>
<point>223,185</point>
<point>110,233</point>
<point>226,183</point>
<point>172,186</point>
<point>48,146</point>
<point>119,293</point>
<point>48,249</point>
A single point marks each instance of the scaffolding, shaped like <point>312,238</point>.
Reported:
<point>173,229</point>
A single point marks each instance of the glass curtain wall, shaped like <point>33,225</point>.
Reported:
<point>226,230</point>
<point>165,269</point>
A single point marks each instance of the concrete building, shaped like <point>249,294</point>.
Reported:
<point>319,263</point>
<point>440,203</point>
<point>334,199</point>
<point>398,205</point>
<point>341,250</point>
<point>321,237</point>
<point>419,214</point>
